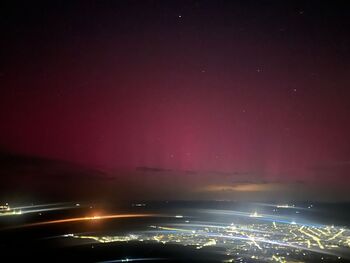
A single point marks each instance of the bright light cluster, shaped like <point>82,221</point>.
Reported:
<point>271,242</point>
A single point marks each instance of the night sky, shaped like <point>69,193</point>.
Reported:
<point>255,90</point>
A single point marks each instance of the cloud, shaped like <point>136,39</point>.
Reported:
<point>332,172</point>
<point>151,169</point>
<point>243,187</point>
<point>49,178</point>
<point>37,176</point>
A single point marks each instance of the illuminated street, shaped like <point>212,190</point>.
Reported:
<point>268,242</point>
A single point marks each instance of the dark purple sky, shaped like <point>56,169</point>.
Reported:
<point>250,87</point>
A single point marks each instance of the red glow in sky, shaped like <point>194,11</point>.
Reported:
<point>232,88</point>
